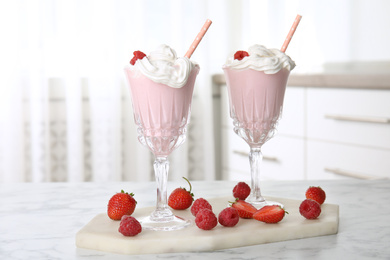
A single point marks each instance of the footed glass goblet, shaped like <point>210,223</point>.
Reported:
<point>256,102</point>
<point>161,113</point>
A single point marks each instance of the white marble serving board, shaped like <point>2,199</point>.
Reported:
<point>101,233</point>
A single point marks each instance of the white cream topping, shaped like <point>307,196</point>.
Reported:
<point>262,59</point>
<point>163,66</point>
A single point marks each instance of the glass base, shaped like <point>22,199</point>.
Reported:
<point>258,203</point>
<point>166,224</point>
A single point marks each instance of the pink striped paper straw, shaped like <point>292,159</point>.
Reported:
<point>198,38</point>
<point>291,33</point>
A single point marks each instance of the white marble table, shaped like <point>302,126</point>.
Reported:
<point>39,221</point>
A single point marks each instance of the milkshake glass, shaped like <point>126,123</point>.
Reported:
<point>161,88</point>
<point>256,86</point>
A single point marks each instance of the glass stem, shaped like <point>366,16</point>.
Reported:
<point>255,159</point>
<point>161,168</point>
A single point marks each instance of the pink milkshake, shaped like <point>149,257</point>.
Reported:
<point>161,87</point>
<point>256,101</point>
<point>161,110</point>
<point>256,86</point>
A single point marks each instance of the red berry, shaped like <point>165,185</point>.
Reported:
<point>129,226</point>
<point>228,217</point>
<point>241,191</point>
<point>199,204</point>
<point>180,198</point>
<point>206,219</point>
<point>270,214</point>
<point>138,55</point>
<point>121,204</point>
<point>316,193</point>
<point>244,209</point>
<point>310,209</point>
<point>239,55</point>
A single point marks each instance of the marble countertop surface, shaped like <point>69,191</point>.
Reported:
<point>40,221</point>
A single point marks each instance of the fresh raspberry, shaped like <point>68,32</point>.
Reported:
<point>310,209</point>
<point>180,198</point>
<point>129,226</point>
<point>121,204</point>
<point>244,209</point>
<point>138,55</point>
<point>239,55</point>
<point>199,204</point>
<point>241,191</point>
<point>316,193</point>
<point>206,219</point>
<point>270,214</point>
<point>228,217</point>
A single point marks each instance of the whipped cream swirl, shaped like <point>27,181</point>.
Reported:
<point>163,66</point>
<point>262,59</point>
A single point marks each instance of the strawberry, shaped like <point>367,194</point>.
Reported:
<point>241,190</point>
<point>316,193</point>
<point>228,217</point>
<point>239,55</point>
<point>310,209</point>
<point>138,55</point>
<point>129,226</point>
<point>199,204</point>
<point>121,204</point>
<point>270,214</point>
<point>180,198</point>
<point>244,209</point>
<point>206,219</point>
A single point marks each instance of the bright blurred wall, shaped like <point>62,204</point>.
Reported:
<point>330,31</point>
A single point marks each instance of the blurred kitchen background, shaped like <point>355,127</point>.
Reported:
<point>65,112</point>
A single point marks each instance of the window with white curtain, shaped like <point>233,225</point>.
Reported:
<point>65,112</point>
<point>65,109</point>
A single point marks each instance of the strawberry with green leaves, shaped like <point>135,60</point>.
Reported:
<point>316,193</point>
<point>180,198</point>
<point>121,204</point>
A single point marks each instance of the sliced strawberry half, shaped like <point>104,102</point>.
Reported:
<point>138,55</point>
<point>244,209</point>
<point>270,214</point>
